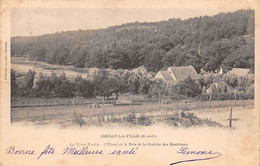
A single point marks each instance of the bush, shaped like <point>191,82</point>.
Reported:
<point>84,88</point>
<point>79,120</point>
<point>175,96</point>
<point>131,118</point>
<point>188,88</point>
<point>144,121</point>
<point>188,120</point>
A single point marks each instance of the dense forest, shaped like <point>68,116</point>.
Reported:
<point>225,40</point>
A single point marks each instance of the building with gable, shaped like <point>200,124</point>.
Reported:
<point>177,74</point>
<point>239,71</point>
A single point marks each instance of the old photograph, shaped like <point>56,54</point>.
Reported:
<point>142,67</point>
<point>141,82</point>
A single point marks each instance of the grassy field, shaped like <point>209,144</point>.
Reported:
<point>144,113</point>
<point>24,65</point>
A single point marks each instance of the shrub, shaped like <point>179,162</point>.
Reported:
<point>176,96</point>
<point>79,120</point>
<point>189,120</point>
<point>144,121</point>
<point>83,87</point>
<point>131,118</point>
<point>188,88</point>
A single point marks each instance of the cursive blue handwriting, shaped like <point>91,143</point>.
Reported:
<point>48,150</point>
<point>71,151</point>
<point>186,151</point>
<point>81,151</point>
<point>12,150</point>
<point>124,152</point>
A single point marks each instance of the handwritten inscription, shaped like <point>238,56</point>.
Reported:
<point>50,150</point>
<point>81,151</point>
<point>12,150</point>
<point>207,155</point>
<point>120,152</point>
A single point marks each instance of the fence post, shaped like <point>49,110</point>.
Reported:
<point>235,96</point>
<point>230,118</point>
<point>42,110</point>
<point>210,97</point>
<point>185,103</point>
<point>132,102</point>
<point>103,103</point>
<point>159,103</point>
<point>73,104</point>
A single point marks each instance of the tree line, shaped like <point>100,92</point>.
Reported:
<point>224,40</point>
<point>106,84</point>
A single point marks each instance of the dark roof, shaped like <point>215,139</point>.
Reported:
<point>166,75</point>
<point>239,71</point>
<point>183,72</point>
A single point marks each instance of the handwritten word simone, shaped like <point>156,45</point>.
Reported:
<point>185,151</point>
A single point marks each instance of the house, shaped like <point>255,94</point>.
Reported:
<point>239,71</point>
<point>177,74</point>
<point>166,77</point>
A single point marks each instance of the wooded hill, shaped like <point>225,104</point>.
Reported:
<point>225,40</point>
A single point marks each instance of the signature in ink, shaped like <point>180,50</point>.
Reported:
<point>186,151</point>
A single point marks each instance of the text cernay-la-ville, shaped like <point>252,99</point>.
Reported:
<point>49,150</point>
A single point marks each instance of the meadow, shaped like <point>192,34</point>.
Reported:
<point>126,113</point>
<point>22,65</point>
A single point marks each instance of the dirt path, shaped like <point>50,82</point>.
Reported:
<point>241,115</point>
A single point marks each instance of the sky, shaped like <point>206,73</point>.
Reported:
<point>39,21</point>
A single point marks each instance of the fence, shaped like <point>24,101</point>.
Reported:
<point>53,102</point>
<point>37,109</point>
<point>34,109</point>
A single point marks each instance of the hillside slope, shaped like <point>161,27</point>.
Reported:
<point>225,40</point>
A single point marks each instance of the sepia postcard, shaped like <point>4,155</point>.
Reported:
<point>120,83</point>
